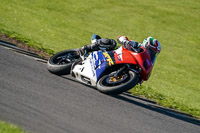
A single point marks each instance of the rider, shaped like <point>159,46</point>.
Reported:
<point>97,44</point>
<point>150,43</point>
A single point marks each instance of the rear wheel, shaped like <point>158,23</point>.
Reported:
<point>60,63</point>
<point>115,85</point>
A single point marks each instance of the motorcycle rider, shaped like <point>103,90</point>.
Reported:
<point>97,44</point>
<point>150,43</point>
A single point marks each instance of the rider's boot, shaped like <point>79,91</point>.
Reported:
<point>82,52</point>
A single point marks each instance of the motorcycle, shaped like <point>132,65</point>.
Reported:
<point>111,72</point>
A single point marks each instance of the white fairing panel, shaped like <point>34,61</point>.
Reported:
<point>86,71</point>
<point>119,52</point>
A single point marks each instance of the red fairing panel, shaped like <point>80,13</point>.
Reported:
<point>142,59</point>
<point>145,63</point>
<point>123,56</point>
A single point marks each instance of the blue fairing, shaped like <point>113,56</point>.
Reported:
<point>100,62</point>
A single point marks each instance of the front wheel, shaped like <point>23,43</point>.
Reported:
<point>116,85</point>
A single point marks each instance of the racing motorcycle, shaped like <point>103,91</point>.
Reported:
<point>111,72</point>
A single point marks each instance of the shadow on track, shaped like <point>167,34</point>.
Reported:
<point>127,97</point>
<point>69,77</point>
<point>132,99</point>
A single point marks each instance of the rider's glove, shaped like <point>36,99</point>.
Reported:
<point>131,45</point>
<point>122,40</point>
<point>128,44</point>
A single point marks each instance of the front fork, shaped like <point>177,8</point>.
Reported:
<point>125,68</point>
<point>128,68</point>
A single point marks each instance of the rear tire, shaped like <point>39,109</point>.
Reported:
<point>104,87</point>
<point>61,69</point>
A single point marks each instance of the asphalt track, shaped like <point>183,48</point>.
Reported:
<point>41,102</point>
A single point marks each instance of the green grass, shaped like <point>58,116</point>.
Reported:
<point>58,25</point>
<point>9,128</point>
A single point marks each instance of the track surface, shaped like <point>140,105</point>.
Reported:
<point>40,102</point>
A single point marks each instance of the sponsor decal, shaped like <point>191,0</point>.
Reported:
<point>118,55</point>
<point>108,58</point>
<point>92,67</point>
<point>119,58</point>
<point>148,62</point>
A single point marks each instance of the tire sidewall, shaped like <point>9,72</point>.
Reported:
<point>119,88</point>
<point>59,69</point>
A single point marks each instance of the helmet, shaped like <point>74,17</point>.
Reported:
<point>153,45</point>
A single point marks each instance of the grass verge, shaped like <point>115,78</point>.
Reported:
<point>170,102</point>
<point>9,128</point>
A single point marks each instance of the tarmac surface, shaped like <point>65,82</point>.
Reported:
<point>40,102</point>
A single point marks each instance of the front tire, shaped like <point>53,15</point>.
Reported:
<point>107,87</point>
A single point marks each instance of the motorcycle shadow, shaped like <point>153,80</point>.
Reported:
<point>69,77</point>
<point>151,105</point>
<point>147,104</point>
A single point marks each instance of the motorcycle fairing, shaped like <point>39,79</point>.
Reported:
<point>103,60</point>
<point>142,59</point>
<point>85,72</point>
<point>123,56</point>
<point>100,62</point>
<point>92,68</point>
<point>97,62</point>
